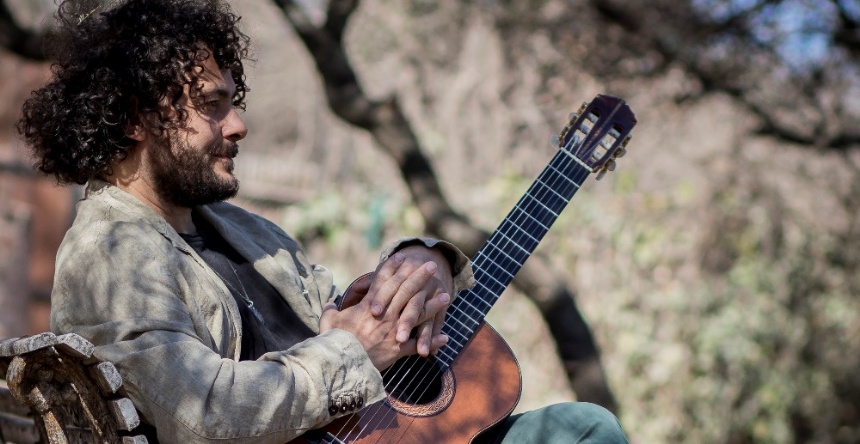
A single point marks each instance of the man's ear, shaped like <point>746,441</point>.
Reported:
<point>135,130</point>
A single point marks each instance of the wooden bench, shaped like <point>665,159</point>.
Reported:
<point>55,391</point>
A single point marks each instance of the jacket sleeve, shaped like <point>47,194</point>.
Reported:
<point>461,267</point>
<point>116,288</point>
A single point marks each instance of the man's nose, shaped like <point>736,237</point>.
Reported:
<point>234,128</point>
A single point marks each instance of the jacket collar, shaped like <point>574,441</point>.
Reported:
<point>135,210</point>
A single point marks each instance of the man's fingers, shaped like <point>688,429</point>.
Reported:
<point>439,321</point>
<point>425,338</point>
<point>380,292</point>
<point>425,312</point>
<point>438,342</point>
<point>435,307</point>
<point>410,287</point>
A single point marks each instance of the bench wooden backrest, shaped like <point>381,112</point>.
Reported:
<point>56,392</point>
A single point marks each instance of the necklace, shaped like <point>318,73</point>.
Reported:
<point>243,294</point>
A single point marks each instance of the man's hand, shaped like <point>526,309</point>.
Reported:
<point>438,289</point>
<point>407,290</point>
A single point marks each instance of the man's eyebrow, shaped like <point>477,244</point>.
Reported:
<point>220,92</point>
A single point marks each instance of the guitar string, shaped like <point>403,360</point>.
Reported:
<point>516,225</point>
<point>516,237</point>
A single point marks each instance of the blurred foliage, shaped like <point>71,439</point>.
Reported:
<point>763,349</point>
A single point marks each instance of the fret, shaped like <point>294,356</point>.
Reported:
<point>551,190</point>
<point>469,304</point>
<point>496,261</point>
<point>464,317</point>
<point>496,274</point>
<point>519,228</point>
<point>455,336</point>
<point>577,160</point>
<point>468,327</point>
<point>511,240</point>
<point>542,204</point>
<point>459,336</point>
<point>484,285</point>
<point>562,175</point>
<point>466,306</point>
<point>538,212</point>
<point>529,215</point>
<point>445,357</point>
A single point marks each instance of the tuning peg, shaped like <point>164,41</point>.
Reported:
<point>572,116</point>
<point>555,141</point>
<point>620,152</point>
<point>583,107</point>
<point>610,166</point>
<point>626,141</point>
<point>600,174</point>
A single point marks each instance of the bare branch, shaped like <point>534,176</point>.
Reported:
<point>682,48</point>
<point>17,39</point>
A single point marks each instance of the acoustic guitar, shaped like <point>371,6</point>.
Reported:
<point>474,382</point>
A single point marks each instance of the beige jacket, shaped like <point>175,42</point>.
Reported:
<point>130,284</point>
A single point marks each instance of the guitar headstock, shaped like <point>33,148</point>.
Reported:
<point>598,133</point>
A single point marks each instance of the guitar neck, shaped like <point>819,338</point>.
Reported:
<point>510,245</point>
<point>595,136</point>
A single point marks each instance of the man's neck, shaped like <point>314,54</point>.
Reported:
<point>178,217</point>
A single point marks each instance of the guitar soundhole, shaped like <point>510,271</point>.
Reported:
<point>418,386</point>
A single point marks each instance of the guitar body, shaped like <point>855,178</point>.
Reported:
<point>475,398</point>
<point>478,391</point>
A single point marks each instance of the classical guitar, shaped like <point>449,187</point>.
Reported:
<point>474,382</point>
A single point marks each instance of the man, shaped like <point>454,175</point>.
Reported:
<point>219,324</point>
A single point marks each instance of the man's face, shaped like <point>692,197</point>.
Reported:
<point>194,165</point>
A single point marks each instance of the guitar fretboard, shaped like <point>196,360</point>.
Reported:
<point>507,249</point>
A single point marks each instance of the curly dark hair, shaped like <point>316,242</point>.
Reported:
<point>112,67</point>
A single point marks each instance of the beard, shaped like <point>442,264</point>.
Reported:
<point>186,177</point>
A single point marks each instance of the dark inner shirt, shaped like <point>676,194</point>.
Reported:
<point>270,325</point>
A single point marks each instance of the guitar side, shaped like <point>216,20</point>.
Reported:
<point>486,383</point>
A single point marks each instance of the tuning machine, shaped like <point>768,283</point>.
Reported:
<point>610,166</point>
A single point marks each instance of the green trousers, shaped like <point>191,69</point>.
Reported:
<point>565,423</point>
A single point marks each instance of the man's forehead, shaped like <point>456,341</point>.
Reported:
<point>214,78</point>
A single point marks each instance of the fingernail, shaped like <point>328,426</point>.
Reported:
<point>402,336</point>
<point>430,266</point>
<point>444,298</point>
<point>442,338</point>
<point>397,257</point>
<point>376,309</point>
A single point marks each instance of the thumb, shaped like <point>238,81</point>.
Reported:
<point>327,317</point>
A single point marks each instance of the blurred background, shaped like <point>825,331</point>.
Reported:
<point>717,269</point>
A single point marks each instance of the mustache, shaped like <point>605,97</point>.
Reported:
<point>229,149</point>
